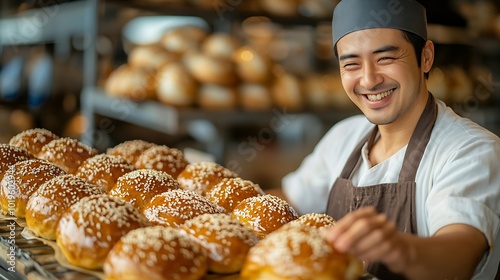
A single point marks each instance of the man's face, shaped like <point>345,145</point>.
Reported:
<point>380,74</point>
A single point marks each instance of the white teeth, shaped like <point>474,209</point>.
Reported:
<point>377,97</point>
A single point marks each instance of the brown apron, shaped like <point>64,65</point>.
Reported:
<point>396,200</point>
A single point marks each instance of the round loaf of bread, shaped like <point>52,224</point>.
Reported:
<point>67,153</point>
<point>176,87</point>
<point>174,207</point>
<point>140,186</point>
<point>90,228</point>
<point>48,203</point>
<point>10,155</point>
<point>104,170</point>
<point>264,214</point>
<point>252,66</point>
<point>297,251</point>
<point>226,240</point>
<point>217,97</point>
<point>255,97</point>
<point>32,140</point>
<point>209,69</point>
<point>156,253</point>
<point>137,84</point>
<point>220,45</point>
<point>318,220</point>
<point>150,56</point>
<point>160,157</point>
<point>130,150</point>
<point>183,39</point>
<point>231,191</point>
<point>201,176</point>
<point>21,180</point>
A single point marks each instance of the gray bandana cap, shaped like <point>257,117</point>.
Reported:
<point>354,15</point>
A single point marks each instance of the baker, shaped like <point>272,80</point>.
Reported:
<point>415,188</point>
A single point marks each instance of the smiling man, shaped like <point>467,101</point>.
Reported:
<point>415,188</point>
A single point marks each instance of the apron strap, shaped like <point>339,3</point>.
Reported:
<point>355,157</point>
<point>418,141</point>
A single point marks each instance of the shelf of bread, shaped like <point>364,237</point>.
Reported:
<point>308,12</point>
<point>142,210</point>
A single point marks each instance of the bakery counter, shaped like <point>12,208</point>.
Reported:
<point>205,125</point>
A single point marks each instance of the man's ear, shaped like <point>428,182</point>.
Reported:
<point>427,56</point>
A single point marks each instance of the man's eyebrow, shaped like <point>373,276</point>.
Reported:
<point>346,56</point>
<point>389,48</point>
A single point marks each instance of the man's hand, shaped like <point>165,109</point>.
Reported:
<point>453,252</point>
<point>371,237</point>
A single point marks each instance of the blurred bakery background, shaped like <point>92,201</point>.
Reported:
<point>251,83</point>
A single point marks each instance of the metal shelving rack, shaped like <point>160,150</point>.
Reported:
<point>206,126</point>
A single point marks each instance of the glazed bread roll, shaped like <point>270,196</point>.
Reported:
<point>252,66</point>
<point>174,207</point>
<point>21,180</point>
<point>209,69</point>
<point>231,191</point>
<point>162,158</point>
<point>176,87</point>
<point>226,240</point>
<point>104,170</point>
<point>90,228</point>
<point>201,176</point>
<point>156,253</point>
<point>297,251</point>
<point>32,140</point>
<point>137,84</point>
<point>10,155</point>
<point>140,186</point>
<point>220,45</point>
<point>67,153</point>
<point>216,97</point>
<point>319,220</point>
<point>48,203</point>
<point>130,150</point>
<point>150,56</point>
<point>264,214</point>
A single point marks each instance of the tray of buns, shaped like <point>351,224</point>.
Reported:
<point>141,210</point>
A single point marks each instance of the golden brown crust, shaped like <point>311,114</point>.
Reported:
<point>48,203</point>
<point>264,214</point>
<point>10,155</point>
<point>174,207</point>
<point>130,150</point>
<point>156,253</point>
<point>67,153</point>
<point>231,191</point>
<point>90,228</point>
<point>226,240</point>
<point>21,180</point>
<point>104,170</point>
<point>297,251</point>
<point>319,220</point>
<point>162,158</point>
<point>33,139</point>
<point>140,186</point>
<point>201,176</point>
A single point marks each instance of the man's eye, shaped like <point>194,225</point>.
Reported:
<point>386,59</point>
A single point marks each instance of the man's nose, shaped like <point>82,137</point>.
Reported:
<point>370,77</point>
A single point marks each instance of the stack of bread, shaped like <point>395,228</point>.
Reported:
<point>132,213</point>
<point>191,67</point>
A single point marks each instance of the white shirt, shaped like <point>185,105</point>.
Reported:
<point>458,180</point>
